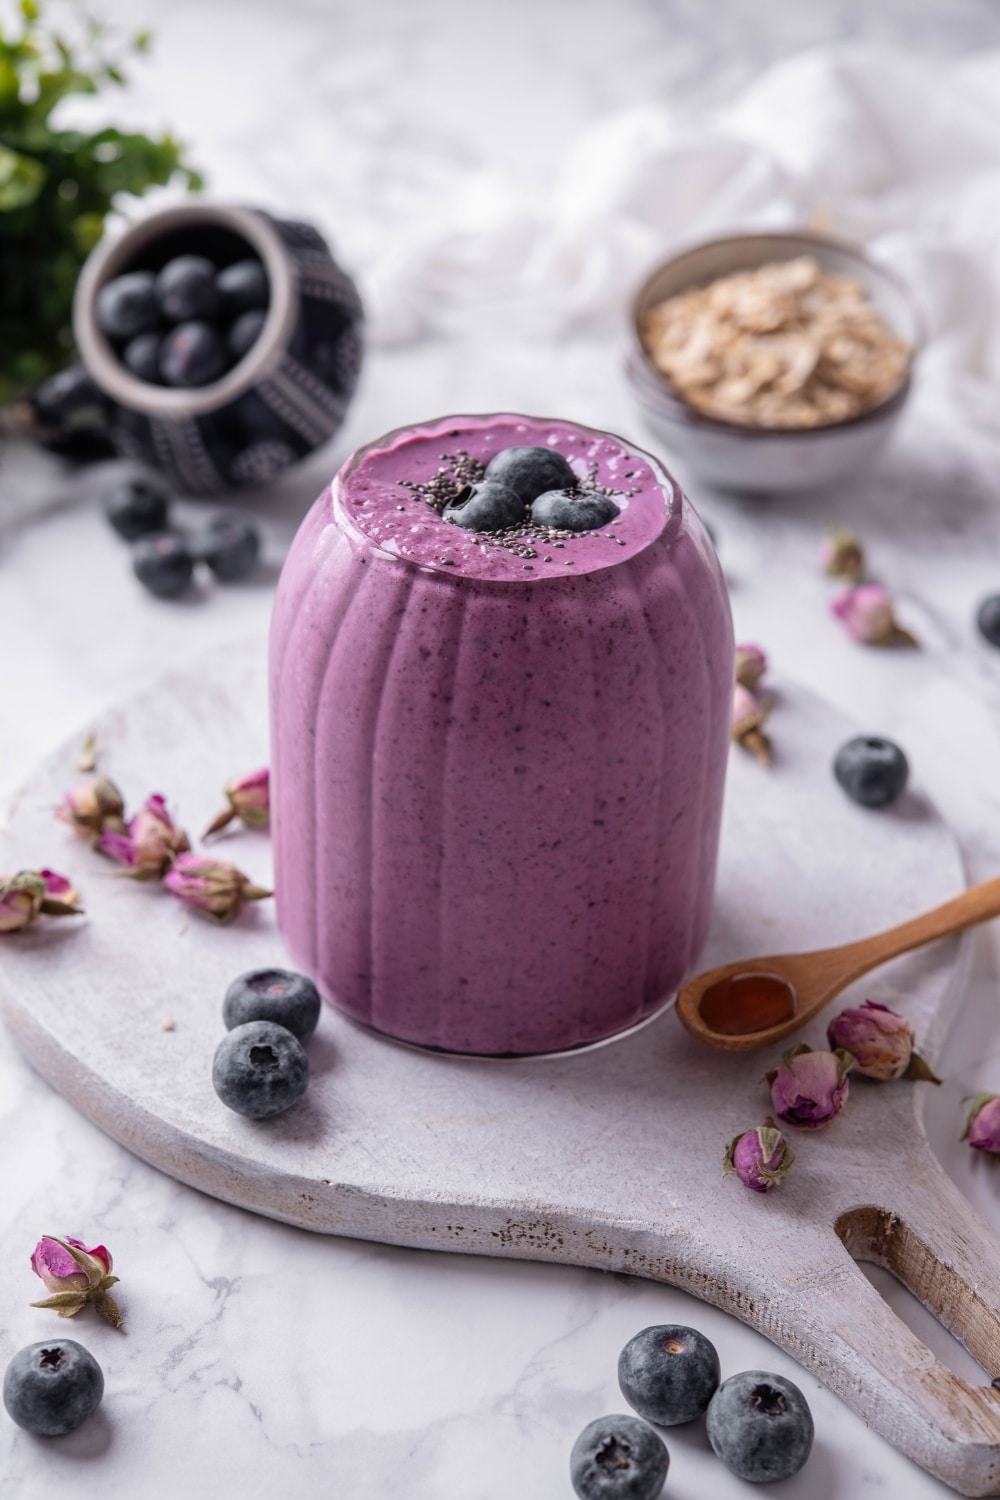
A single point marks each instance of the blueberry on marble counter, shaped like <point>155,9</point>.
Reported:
<point>260,1069</point>
<point>192,355</point>
<point>669,1373</point>
<point>618,1458</point>
<point>127,305</point>
<point>279,995</point>
<point>489,506</point>
<point>243,285</point>
<point>135,507</point>
<point>760,1426</point>
<point>871,770</point>
<point>52,1387</point>
<point>186,289</point>
<point>530,471</point>
<point>230,545</point>
<point>988,619</point>
<point>573,510</point>
<point>163,564</point>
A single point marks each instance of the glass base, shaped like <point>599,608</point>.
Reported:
<point>506,1057</point>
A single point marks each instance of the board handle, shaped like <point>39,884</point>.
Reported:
<point>939,1249</point>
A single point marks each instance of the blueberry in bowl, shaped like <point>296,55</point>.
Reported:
<point>186,288</point>
<point>192,354</point>
<point>226,343</point>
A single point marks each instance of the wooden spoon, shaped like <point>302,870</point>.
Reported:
<point>757,1001</point>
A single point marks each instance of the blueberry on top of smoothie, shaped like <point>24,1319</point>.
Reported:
<point>573,510</point>
<point>531,471</point>
<point>489,506</point>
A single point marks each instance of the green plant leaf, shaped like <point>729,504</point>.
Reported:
<point>21,179</point>
<point>58,186</point>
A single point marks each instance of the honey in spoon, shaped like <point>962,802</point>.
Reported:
<point>744,1003</point>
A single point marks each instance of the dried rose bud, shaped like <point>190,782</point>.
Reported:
<point>148,847</point>
<point>91,807</point>
<point>760,1158</point>
<point>982,1127</point>
<point>61,898</point>
<point>865,610</point>
<point>749,718</point>
<point>75,1276</point>
<point>842,555</point>
<point>249,799</point>
<point>810,1088</point>
<point>33,893</point>
<point>751,664</point>
<point>212,887</point>
<point>880,1041</point>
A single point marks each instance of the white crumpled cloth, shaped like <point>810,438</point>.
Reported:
<point>898,152</point>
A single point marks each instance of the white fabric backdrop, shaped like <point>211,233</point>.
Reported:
<point>900,153</point>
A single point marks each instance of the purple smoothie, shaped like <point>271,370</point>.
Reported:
<point>497,777</point>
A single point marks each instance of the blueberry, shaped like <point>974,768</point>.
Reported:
<point>618,1458</point>
<point>573,510</point>
<point>245,332</point>
<point>141,355</point>
<point>531,471</point>
<point>760,1426</point>
<point>243,285</point>
<point>127,305</point>
<point>186,289</point>
<point>485,507</point>
<point>135,507</point>
<point>669,1373</point>
<point>871,770</point>
<point>192,354</point>
<point>988,619</point>
<point>163,564</point>
<point>73,416</point>
<point>280,995</point>
<point>69,399</point>
<point>230,544</point>
<point>50,1388</point>
<point>260,1069</point>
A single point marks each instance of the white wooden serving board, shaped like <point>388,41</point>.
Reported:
<point>608,1158</point>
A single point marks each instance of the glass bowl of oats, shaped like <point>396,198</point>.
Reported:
<point>777,361</point>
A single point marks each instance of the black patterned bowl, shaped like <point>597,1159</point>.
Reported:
<point>289,393</point>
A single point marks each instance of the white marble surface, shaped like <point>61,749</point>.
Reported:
<point>258,1360</point>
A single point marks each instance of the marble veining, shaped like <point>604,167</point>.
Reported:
<point>260,1360</point>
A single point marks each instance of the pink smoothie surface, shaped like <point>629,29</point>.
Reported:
<point>497,778</point>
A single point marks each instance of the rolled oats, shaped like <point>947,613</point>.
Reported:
<point>785,345</point>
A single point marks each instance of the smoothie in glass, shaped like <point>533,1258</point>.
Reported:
<point>498,757</point>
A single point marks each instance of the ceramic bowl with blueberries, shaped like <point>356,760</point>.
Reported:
<point>772,362</point>
<point>227,342</point>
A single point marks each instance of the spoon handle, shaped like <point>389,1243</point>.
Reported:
<point>977,904</point>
